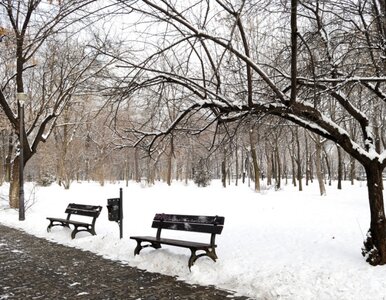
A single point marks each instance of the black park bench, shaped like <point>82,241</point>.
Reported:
<point>212,225</point>
<point>91,211</point>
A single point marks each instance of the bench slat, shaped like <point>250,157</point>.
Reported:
<point>173,242</point>
<point>57,219</point>
<point>84,206</point>
<point>78,223</point>
<point>186,226</point>
<point>83,210</point>
<point>69,221</point>
<point>190,219</point>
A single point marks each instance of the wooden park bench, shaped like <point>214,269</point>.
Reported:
<point>77,209</point>
<point>202,224</point>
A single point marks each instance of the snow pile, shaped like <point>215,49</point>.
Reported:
<point>275,245</point>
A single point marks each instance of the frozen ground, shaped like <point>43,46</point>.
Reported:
<point>275,244</point>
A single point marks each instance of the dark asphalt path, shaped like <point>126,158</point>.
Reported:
<point>34,268</point>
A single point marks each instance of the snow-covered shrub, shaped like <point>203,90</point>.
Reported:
<point>201,175</point>
<point>45,180</point>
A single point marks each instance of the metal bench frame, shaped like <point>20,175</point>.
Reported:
<point>212,225</point>
<point>77,209</point>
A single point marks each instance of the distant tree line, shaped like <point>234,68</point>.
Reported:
<point>86,151</point>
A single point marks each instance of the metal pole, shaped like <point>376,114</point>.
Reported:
<point>120,214</point>
<point>21,164</point>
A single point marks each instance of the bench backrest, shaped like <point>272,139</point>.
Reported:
<point>83,210</point>
<point>204,224</point>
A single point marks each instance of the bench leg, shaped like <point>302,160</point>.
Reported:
<point>59,224</point>
<point>74,232</point>
<point>211,253</point>
<point>88,229</point>
<point>92,231</point>
<point>49,226</point>
<point>139,247</point>
<point>193,257</point>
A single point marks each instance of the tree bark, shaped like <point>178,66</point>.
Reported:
<point>223,173</point>
<point>8,158</point>
<point>170,162</point>
<point>237,164</point>
<point>340,168</point>
<point>318,165</point>
<point>224,169</point>
<point>256,169</point>
<point>126,173</point>
<point>243,167</point>
<point>136,166</point>
<point>293,170</point>
<point>352,170</point>
<point>308,160</point>
<point>14,186</point>
<point>2,158</point>
<point>187,167</point>
<point>299,161</point>
<point>328,169</point>
<point>278,167</point>
<point>375,244</point>
<point>273,165</point>
<point>269,166</point>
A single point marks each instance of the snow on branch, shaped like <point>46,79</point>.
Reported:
<point>353,79</point>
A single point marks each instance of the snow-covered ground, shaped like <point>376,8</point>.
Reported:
<point>275,244</point>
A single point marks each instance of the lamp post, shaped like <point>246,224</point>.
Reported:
<point>21,97</point>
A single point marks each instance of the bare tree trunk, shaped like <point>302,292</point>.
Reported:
<point>237,164</point>
<point>293,170</point>
<point>243,167</point>
<point>340,168</point>
<point>247,170</point>
<point>308,160</point>
<point>224,169</point>
<point>223,173</point>
<point>269,166</point>
<point>273,165</point>
<point>2,158</point>
<point>179,168</point>
<point>352,170</point>
<point>255,165</point>
<point>170,163</point>
<point>328,169</point>
<point>87,171</point>
<point>318,165</point>
<point>150,172</point>
<point>298,161</point>
<point>375,244</point>
<point>187,167</point>
<point>126,173</point>
<point>101,174</point>
<point>137,176</point>
<point>14,187</point>
<point>299,174</point>
<point>285,167</point>
<point>278,167</point>
<point>8,159</point>
<point>311,168</point>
